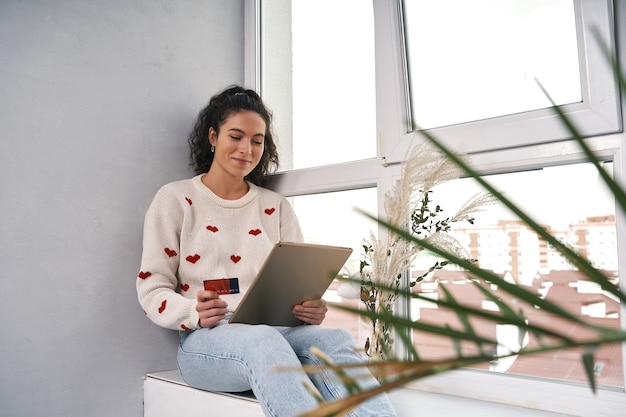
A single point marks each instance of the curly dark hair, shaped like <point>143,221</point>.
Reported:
<point>232,100</point>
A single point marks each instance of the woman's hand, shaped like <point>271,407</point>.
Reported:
<point>311,312</point>
<point>211,308</point>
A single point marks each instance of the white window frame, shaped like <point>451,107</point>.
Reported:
<point>489,156</point>
<point>599,112</point>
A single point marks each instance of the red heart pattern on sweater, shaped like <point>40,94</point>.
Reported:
<point>196,257</point>
<point>144,275</point>
<point>193,259</point>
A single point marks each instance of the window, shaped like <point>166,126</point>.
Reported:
<point>318,75</point>
<point>504,141</point>
<point>330,218</point>
<point>520,120</point>
<point>486,58</point>
<point>553,195</point>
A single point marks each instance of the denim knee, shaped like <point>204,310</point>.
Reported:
<point>334,339</point>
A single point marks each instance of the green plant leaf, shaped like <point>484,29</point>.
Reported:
<point>463,317</point>
<point>589,365</point>
<point>507,312</point>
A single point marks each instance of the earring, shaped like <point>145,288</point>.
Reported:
<point>212,148</point>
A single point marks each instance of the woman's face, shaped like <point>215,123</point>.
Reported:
<point>239,145</point>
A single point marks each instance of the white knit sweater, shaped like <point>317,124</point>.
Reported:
<point>191,234</point>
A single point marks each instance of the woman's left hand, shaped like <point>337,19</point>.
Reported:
<point>311,312</point>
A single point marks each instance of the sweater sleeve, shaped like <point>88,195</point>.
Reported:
<point>157,282</point>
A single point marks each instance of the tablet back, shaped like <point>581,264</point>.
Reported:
<point>291,274</point>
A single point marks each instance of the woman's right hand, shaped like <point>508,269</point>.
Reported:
<point>211,308</point>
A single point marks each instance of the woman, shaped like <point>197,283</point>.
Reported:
<point>222,224</point>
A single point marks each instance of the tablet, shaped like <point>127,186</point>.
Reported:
<point>291,274</point>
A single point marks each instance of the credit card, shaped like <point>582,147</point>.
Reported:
<point>222,285</point>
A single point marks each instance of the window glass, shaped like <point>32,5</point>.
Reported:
<point>473,60</point>
<point>572,202</point>
<point>284,23</point>
<point>318,77</point>
<point>330,219</point>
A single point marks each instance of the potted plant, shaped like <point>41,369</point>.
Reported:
<point>386,259</point>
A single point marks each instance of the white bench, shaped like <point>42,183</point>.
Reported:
<point>167,395</point>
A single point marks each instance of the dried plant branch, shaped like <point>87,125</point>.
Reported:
<point>387,258</point>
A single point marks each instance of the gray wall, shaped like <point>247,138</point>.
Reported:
<point>96,100</point>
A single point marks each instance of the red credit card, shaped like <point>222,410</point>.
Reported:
<point>222,285</point>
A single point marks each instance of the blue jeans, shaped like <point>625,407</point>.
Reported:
<point>240,357</point>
